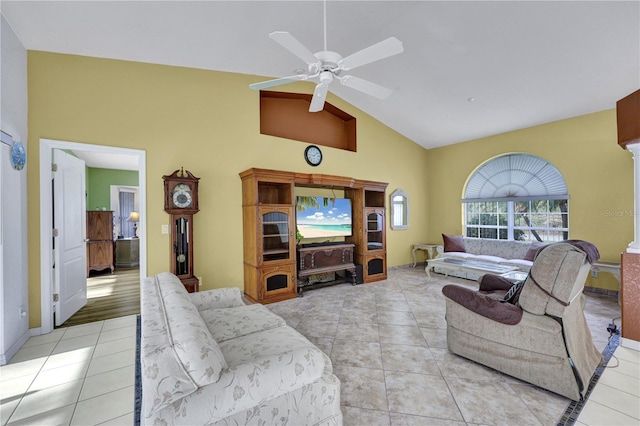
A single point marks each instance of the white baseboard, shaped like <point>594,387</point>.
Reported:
<point>11,351</point>
<point>35,331</point>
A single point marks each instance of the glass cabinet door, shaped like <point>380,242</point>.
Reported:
<point>375,229</point>
<point>276,240</point>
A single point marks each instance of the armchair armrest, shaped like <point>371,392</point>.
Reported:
<point>247,385</point>
<point>481,304</point>
<point>228,297</point>
<point>491,282</point>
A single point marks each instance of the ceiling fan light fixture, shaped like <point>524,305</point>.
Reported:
<point>326,77</point>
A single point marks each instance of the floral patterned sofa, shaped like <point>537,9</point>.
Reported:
<point>519,254</point>
<point>207,358</point>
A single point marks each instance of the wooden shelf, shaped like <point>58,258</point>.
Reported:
<point>269,254</point>
<point>287,115</point>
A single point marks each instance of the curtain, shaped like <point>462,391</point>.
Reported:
<point>126,207</point>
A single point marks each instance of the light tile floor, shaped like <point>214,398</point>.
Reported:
<point>387,342</point>
<point>81,375</point>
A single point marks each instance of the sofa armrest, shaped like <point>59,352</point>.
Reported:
<point>228,297</point>
<point>440,251</point>
<point>504,313</point>
<point>246,385</point>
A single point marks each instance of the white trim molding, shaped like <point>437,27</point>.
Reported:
<point>46,224</point>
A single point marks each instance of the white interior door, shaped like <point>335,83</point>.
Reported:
<point>70,254</point>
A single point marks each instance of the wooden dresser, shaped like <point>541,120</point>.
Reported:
<point>100,246</point>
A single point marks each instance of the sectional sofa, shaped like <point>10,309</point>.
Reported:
<point>207,358</point>
<point>518,254</point>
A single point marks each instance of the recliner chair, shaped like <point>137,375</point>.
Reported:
<point>543,338</point>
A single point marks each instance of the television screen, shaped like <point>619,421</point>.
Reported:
<point>321,217</point>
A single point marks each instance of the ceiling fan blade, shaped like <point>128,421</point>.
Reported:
<point>384,49</point>
<point>319,96</point>
<point>366,86</point>
<point>278,81</point>
<point>290,43</point>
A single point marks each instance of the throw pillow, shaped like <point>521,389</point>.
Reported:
<point>453,243</point>
<point>513,294</point>
<point>534,247</point>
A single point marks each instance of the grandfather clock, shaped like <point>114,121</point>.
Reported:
<point>181,202</point>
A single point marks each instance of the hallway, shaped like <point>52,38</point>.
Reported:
<point>109,296</point>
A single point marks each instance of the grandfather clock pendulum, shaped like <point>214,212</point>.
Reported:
<point>181,202</point>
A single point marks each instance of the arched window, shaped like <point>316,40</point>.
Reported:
<point>516,197</point>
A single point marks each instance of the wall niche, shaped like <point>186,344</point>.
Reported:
<point>287,115</point>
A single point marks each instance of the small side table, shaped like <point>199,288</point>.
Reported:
<point>429,249</point>
<point>127,252</point>
<point>611,267</point>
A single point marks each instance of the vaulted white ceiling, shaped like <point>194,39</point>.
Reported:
<point>469,68</point>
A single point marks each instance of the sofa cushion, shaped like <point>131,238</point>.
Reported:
<point>228,323</point>
<point>189,337</point>
<point>247,386</point>
<point>453,243</point>
<point>459,255</point>
<point>279,340</point>
<point>533,250</point>
<point>500,248</point>
<point>227,297</point>
<point>165,380</point>
<point>486,258</point>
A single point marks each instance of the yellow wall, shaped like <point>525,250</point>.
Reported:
<point>598,173</point>
<point>208,123</point>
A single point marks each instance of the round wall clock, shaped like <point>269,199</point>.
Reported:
<point>313,155</point>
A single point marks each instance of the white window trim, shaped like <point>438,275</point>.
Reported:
<point>405,206</point>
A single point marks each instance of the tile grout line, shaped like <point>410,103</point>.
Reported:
<point>40,370</point>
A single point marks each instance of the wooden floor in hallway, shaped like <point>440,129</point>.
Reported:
<point>109,296</point>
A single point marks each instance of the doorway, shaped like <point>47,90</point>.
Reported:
<point>100,153</point>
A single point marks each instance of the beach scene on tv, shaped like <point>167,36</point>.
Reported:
<point>321,217</point>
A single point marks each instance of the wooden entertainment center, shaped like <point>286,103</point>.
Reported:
<point>273,266</point>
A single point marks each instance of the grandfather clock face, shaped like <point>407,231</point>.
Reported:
<point>182,197</point>
<point>181,193</point>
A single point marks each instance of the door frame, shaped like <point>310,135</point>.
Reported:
<point>46,225</point>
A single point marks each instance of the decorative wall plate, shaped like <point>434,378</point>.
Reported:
<point>18,156</point>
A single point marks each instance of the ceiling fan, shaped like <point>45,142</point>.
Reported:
<point>325,66</point>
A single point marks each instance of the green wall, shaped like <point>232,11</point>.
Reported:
<point>99,183</point>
